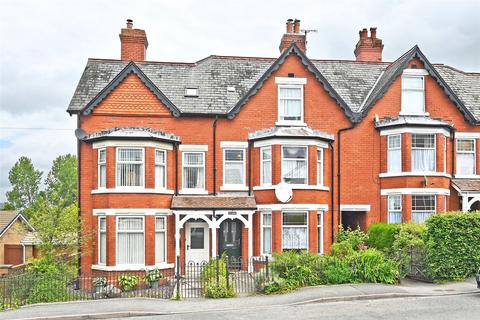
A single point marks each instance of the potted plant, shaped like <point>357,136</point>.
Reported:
<point>128,282</point>
<point>99,283</point>
<point>153,278</point>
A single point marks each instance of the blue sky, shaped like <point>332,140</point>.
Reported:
<point>44,46</point>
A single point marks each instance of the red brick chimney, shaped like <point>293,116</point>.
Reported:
<point>133,43</point>
<point>293,34</point>
<point>369,48</point>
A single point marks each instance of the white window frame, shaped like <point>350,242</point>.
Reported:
<point>99,165</point>
<point>165,248</point>
<point>262,227</point>
<point>164,164</point>
<point>133,162</point>
<point>100,231</point>
<point>293,86</point>
<point>432,212</point>
<point>412,76</point>
<point>297,226</point>
<point>474,152</point>
<point>389,148</point>
<point>193,190</point>
<point>244,161</point>
<point>320,164</point>
<point>445,154</point>
<point>417,148</point>
<point>320,231</point>
<point>118,217</point>
<point>296,159</point>
<point>262,161</point>
<point>393,210</point>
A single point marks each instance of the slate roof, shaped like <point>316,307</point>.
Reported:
<point>131,133</point>
<point>213,202</point>
<point>290,132</point>
<point>466,185</point>
<point>355,86</point>
<point>411,120</point>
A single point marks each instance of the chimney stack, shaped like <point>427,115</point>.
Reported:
<point>293,35</point>
<point>369,49</point>
<point>133,43</point>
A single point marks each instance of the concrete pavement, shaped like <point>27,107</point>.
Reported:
<point>118,308</point>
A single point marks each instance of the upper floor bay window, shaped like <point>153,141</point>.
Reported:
<point>294,165</point>
<point>320,166</point>
<point>130,167</point>
<point>102,240</point>
<point>465,157</point>
<point>102,168</point>
<point>413,94</point>
<point>394,157</point>
<point>193,170</point>
<point>290,103</point>
<point>130,241</point>
<point>160,169</point>
<point>423,152</point>
<point>395,208</point>
<point>234,167</point>
<point>160,240</point>
<point>266,166</point>
<point>295,231</point>
<point>423,206</point>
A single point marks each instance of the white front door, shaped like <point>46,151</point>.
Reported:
<point>197,242</point>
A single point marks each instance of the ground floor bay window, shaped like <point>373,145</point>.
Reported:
<point>130,241</point>
<point>160,240</point>
<point>423,206</point>
<point>295,230</point>
<point>266,232</point>
<point>395,208</point>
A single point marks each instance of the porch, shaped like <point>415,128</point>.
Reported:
<point>469,192</point>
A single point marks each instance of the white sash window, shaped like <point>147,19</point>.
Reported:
<point>130,167</point>
<point>294,165</point>
<point>320,166</point>
<point>320,231</point>
<point>290,103</point>
<point>423,152</point>
<point>395,208</point>
<point>423,206</point>
<point>160,169</point>
<point>394,158</point>
<point>266,166</point>
<point>160,240</point>
<point>102,240</point>
<point>102,168</point>
<point>465,157</point>
<point>193,170</point>
<point>295,231</point>
<point>234,167</point>
<point>130,241</point>
<point>413,94</point>
<point>266,220</point>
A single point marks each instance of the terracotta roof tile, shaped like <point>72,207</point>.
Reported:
<point>467,184</point>
<point>213,202</point>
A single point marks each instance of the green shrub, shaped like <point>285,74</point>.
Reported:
<point>453,245</point>
<point>333,270</point>
<point>408,237</point>
<point>128,282</point>
<point>152,277</point>
<point>298,269</point>
<point>382,235</point>
<point>342,250</point>
<point>214,291</point>
<point>210,269</point>
<point>356,237</point>
<point>371,265</point>
<point>278,285</point>
<point>48,288</point>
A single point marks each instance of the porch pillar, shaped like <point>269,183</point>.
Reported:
<point>177,236</point>
<point>250,242</point>
<point>465,206</point>
<point>214,239</point>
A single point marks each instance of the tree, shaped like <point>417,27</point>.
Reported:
<point>61,182</point>
<point>25,181</point>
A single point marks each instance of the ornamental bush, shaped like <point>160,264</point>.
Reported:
<point>409,237</point>
<point>453,245</point>
<point>220,290</point>
<point>372,265</point>
<point>356,237</point>
<point>382,235</point>
<point>298,269</point>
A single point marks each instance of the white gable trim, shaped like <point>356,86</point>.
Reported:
<point>21,217</point>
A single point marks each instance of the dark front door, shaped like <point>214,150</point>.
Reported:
<point>231,238</point>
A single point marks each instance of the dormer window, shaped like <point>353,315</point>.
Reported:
<point>290,100</point>
<point>191,92</point>
<point>413,91</point>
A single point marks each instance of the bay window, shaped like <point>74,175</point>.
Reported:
<point>160,169</point>
<point>395,208</point>
<point>423,206</point>
<point>234,167</point>
<point>465,157</point>
<point>394,157</point>
<point>413,94</point>
<point>102,240</point>
<point>193,170</point>
<point>290,103</point>
<point>320,166</point>
<point>160,240</point>
<point>266,220</point>
<point>266,166</point>
<point>295,231</point>
<point>130,241</point>
<point>423,152</point>
<point>294,165</point>
<point>130,167</point>
<point>102,168</point>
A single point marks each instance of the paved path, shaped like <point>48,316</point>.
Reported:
<point>112,308</point>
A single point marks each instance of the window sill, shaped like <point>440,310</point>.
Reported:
<point>290,124</point>
<point>467,176</point>
<point>233,188</point>
<point>418,114</point>
<point>414,174</point>
<point>132,190</point>
<point>193,191</point>
<point>295,187</point>
<point>133,267</point>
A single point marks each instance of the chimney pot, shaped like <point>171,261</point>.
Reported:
<point>369,48</point>
<point>293,35</point>
<point>133,43</point>
<point>290,26</point>
<point>296,26</point>
<point>373,33</point>
<point>129,23</point>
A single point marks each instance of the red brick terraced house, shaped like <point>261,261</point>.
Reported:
<point>251,156</point>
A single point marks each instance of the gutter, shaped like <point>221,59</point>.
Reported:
<point>332,176</point>
<point>175,147</point>
<point>250,143</point>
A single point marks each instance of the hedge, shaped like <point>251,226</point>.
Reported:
<point>453,245</point>
<point>382,235</point>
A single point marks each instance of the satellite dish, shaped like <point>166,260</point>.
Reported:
<point>283,192</point>
<point>80,134</point>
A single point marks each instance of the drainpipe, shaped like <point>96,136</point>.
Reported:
<point>339,134</point>
<point>214,138</point>
<point>79,233</point>
<point>175,146</point>
<point>454,145</point>
<point>332,177</point>
<point>249,168</point>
